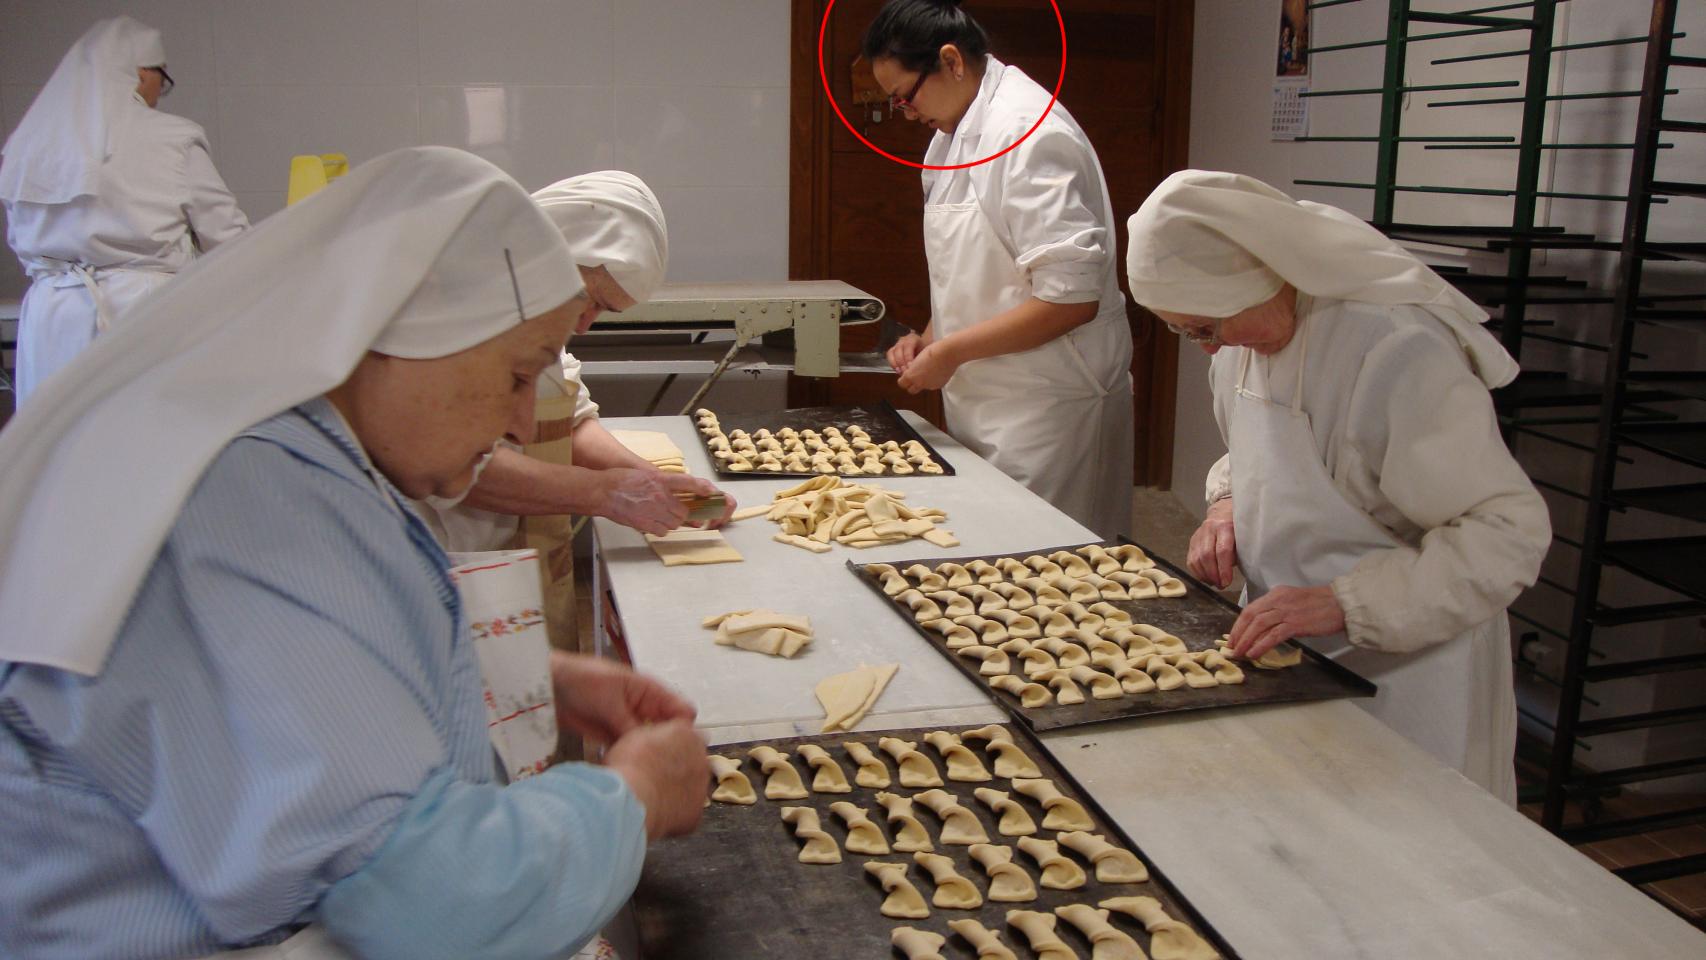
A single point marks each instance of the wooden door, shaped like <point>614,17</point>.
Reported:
<point>858,217</point>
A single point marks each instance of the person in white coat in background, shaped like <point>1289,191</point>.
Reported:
<point>106,197</point>
<point>1366,493</point>
<point>1028,339</point>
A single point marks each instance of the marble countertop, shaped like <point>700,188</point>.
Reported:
<point>1302,831</point>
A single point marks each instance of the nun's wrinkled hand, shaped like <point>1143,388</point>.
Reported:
<point>666,767</point>
<point>1213,556</point>
<point>932,368</point>
<point>646,499</point>
<point>1283,613</point>
<point>604,701</point>
<point>705,488</point>
<point>900,355</point>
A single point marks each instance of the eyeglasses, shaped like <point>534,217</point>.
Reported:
<point>1198,337</point>
<point>905,103</point>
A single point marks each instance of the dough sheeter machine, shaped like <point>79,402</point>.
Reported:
<point>685,330</point>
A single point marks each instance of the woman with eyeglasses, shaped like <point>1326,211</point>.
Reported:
<point>106,197</point>
<point>1366,493</point>
<point>1028,339</point>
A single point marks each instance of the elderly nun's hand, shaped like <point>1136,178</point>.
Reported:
<point>666,767</point>
<point>1213,556</point>
<point>604,701</point>
<point>1283,613</point>
<point>932,368</point>
<point>647,500</point>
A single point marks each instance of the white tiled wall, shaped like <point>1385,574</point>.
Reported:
<point>692,95</point>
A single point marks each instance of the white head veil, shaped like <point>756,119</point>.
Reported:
<point>1212,244</point>
<point>612,219</point>
<point>404,256</point>
<point>56,153</point>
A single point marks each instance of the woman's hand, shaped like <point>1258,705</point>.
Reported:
<point>1213,556</point>
<point>1283,613</point>
<point>900,355</point>
<point>604,701</point>
<point>647,500</point>
<point>666,767</point>
<point>932,368</point>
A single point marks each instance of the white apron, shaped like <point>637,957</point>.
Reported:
<point>1295,528</point>
<point>66,307</point>
<point>1039,416</point>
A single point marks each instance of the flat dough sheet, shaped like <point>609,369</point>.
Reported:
<point>689,546</point>
<point>650,445</point>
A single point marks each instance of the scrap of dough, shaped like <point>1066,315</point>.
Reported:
<point>963,764</point>
<point>953,892</point>
<point>1031,695</point>
<point>985,941</point>
<point>847,697</point>
<point>1169,939</point>
<point>909,835</point>
<point>795,540</point>
<point>918,944</point>
<point>689,546</point>
<point>1106,943</point>
<point>820,847</point>
<point>1060,811</point>
<point>1060,872</point>
<point>1038,928</point>
<point>872,772</point>
<point>1015,821</point>
<point>916,770</point>
<point>732,784</point>
<point>782,780</point>
<point>863,836</point>
<point>1113,864</point>
<point>829,778</point>
<point>940,537</point>
<point>1008,882</point>
<point>747,513</point>
<point>960,827</point>
<point>903,900</point>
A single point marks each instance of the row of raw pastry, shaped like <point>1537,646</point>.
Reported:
<point>808,451</point>
<point>1170,939</point>
<point>1049,587</point>
<point>916,770</point>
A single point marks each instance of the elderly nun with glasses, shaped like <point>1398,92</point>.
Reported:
<point>240,709</point>
<point>106,197</point>
<point>1366,493</point>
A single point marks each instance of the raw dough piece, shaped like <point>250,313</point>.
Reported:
<point>937,535</point>
<point>1225,671</point>
<point>732,784</point>
<point>1060,811</point>
<point>954,636</point>
<point>995,662</point>
<point>1038,662</point>
<point>1283,656</point>
<point>829,778</point>
<point>847,697</point>
<point>960,827</point>
<point>1098,557</point>
<point>1107,655</point>
<point>762,631</point>
<point>1113,864</point>
<point>909,835</point>
<point>1166,586</point>
<point>1060,872</point>
<point>1008,882</point>
<point>963,765</point>
<point>993,733</point>
<point>1011,761</point>
<point>872,772</point>
<point>1167,677</point>
<point>1131,557</point>
<point>952,603</point>
<point>1031,695</point>
<point>1011,567</point>
<point>1112,614</point>
<point>916,770</point>
<point>1017,597</point>
<point>984,571</point>
<point>894,584</point>
<point>1163,641</point>
<point>1017,624</point>
<point>650,445</point>
<point>1169,939</point>
<point>1106,943</point>
<point>1015,822</point>
<point>991,631</point>
<point>1065,652</point>
<point>957,575</point>
<point>1066,693</point>
<point>863,836</point>
<point>1102,686</point>
<point>953,892</point>
<point>1038,928</point>
<point>987,600</point>
<point>688,546</point>
<point>918,944</point>
<point>794,540</point>
<point>923,608</point>
<point>985,941</point>
<point>903,900</point>
<point>782,780</point>
<point>1194,674</point>
<point>1108,589</point>
<point>1134,679</point>
<point>928,579</point>
<point>747,513</point>
<point>820,847</point>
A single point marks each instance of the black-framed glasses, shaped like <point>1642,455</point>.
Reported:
<point>1202,338</point>
<point>905,103</point>
<point>166,81</point>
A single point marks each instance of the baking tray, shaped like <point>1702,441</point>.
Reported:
<point>881,420</point>
<point>1199,618</point>
<point>735,888</point>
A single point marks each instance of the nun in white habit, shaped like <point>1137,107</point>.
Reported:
<point>238,703</point>
<point>1366,493</point>
<point>106,197</point>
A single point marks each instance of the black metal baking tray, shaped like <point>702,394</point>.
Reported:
<point>1199,618</point>
<point>735,889</point>
<point>881,420</point>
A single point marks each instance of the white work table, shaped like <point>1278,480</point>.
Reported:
<point>1302,832</point>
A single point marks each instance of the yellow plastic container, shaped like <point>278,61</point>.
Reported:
<point>310,173</point>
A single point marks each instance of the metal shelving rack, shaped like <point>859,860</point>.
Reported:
<point>1628,409</point>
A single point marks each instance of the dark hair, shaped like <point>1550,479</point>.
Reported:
<point>913,32</point>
